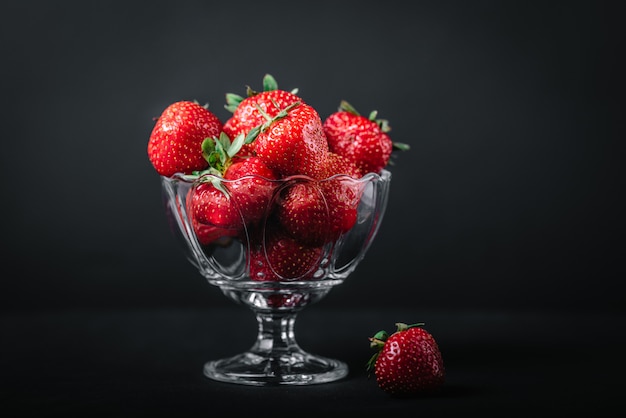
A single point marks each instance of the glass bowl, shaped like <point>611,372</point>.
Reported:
<point>274,263</point>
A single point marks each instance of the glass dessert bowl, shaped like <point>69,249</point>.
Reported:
<point>309,237</point>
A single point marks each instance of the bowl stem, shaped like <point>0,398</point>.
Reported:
<point>276,358</point>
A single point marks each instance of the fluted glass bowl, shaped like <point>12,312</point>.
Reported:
<point>273,263</point>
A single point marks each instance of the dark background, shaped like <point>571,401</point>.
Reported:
<point>510,196</point>
<point>504,228</point>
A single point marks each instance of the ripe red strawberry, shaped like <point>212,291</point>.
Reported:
<point>407,362</point>
<point>208,205</point>
<point>206,234</point>
<point>318,212</point>
<point>287,300</point>
<point>363,140</point>
<point>338,164</point>
<point>209,234</point>
<point>241,198</point>
<point>282,258</point>
<point>343,193</point>
<point>371,151</point>
<point>248,112</point>
<point>304,213</point>
<point>251,186</point>
<point>293,142</point>
<point>175,142</point>
<point>340,128</point>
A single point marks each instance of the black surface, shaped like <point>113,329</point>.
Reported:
<point>149,363</point>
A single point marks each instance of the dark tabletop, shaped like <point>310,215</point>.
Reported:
<point>149,363</point>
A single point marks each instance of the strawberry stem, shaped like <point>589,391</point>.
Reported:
<point>401,326</point>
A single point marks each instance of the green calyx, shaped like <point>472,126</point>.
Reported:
<point>269,84</point>
<point>219,152</point>
<point>232,102</point>
<point>401,326</point>
<point>377,342</point>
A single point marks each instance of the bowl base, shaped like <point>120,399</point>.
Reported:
<point>292,368</point>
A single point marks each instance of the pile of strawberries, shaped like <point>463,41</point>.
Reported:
<point>273,135</point>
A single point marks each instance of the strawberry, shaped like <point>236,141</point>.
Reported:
<point>239,198</point>
<point>371,151</point>
<point>293,142</point>
<point>236,192</point>
<point>287,300</point>
<point>342,192</point>
<point>248,112</point>
<point>175,141</point>
<point>206,234</point>
<point>339,129</point>
<point>338,164</point>
<point>209,234</point>
<point>363,140</point>
<point>210,205</point>
<point>251,186</point>
<point>407,362</point>
<point>279,257</point>
<point>304,213</point>
<point>318,212</point>
<point>343,195</point>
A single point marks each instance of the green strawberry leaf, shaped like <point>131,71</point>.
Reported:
<point>214,152</point>
<point>401,146</point>
<point>252,134</point>
<point>384,125</point>
<point>208,146</point>
<point>232,102</point>
<point>224,140</point>
<point>371,363</point>
<point>376,342</point>
<point>344,106</point>
<point>379,339</point>
<point>236,145</point>
<point>215,178</point>
<point>269,83</point>
<point>217,183</point>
